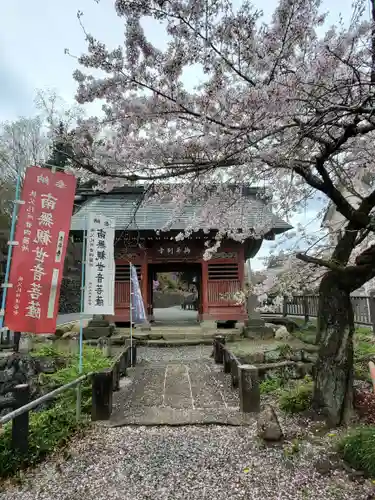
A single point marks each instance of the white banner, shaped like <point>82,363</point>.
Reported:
<point>100,266</point>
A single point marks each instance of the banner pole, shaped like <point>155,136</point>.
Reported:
<point>131,314</point>
<point>80,351</point>
<point>5,285</point>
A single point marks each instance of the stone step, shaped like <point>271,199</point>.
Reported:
<point>178,332</point>
<point>175,342</point>
<point>156,415</point>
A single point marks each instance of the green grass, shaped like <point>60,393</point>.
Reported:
<point>364,343</point>
<point>270,385</point>
<point>52,428</point>
<point>297,398</point>
<point>358,449</point>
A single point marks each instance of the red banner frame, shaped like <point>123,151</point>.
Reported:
<point>37,265</point>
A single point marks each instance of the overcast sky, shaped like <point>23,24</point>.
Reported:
<point>34,34</point>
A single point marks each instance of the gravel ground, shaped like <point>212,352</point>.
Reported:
<point>205,463</point>
<point>192,462</point>
<point>175,354</point>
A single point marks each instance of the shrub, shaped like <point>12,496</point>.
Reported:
<point>298,398</point>
<point>49,430</point>
<point>271,385</point>
<point>358,449</point>
<point>52,428</point>
<point>49,351</point>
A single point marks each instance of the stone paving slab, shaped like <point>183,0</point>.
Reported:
<point>154,416</point>
<point>179,388</point>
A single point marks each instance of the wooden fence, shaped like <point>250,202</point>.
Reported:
<point>103,384</point>
<point>306,306</point>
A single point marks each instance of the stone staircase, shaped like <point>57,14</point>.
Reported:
<point>174,335</point>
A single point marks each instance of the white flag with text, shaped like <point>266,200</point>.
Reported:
<point>99,291</point>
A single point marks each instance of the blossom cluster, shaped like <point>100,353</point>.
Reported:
<point>277,105</point>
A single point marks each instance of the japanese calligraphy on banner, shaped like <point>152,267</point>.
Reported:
<point>37,266</point>
<point>100,266</point>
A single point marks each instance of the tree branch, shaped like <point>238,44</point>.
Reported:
<point>319,262</point>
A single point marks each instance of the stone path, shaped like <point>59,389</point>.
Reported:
<point>184,463</point>
<point>174,386</point>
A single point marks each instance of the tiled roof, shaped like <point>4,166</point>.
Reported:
<point>153,216</point>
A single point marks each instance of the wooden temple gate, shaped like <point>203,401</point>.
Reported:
<point>221,275</point>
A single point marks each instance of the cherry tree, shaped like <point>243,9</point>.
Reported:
<point>287,105</point>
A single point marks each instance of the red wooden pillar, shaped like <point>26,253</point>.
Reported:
<point>241,273</point>
<point>241,266</point>
<point>204,290</point>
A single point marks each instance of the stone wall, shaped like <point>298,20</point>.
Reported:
<point>70,295</point>
<point>21,369</point>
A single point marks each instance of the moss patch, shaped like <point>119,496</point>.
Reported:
<point>52,428</point>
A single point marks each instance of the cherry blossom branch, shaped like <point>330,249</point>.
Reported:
<point>319,262</point>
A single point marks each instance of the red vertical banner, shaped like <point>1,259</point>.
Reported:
<point>41,237</point>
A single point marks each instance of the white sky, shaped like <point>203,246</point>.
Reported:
<point>34,34</point>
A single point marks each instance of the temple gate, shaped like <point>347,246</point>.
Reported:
<point>139,241</point>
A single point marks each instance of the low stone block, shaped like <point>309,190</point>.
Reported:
<point>120,340</point>
<point>269,428</point>
<point>285,369</point>
<point>254,322</point>
<point>261,332</point>
<point>249,388</point>
<point>219,341</point>
<point>226,361</point>
<point>255,358</point>
<point>96,332</point>
<point>234,372</point>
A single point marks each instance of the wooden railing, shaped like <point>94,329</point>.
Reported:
<point>103,384</point>
<point>306,306</point>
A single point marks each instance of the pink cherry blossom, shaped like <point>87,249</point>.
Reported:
<point>285,105</point>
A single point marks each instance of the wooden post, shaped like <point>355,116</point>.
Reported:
<point>234,372</point>
<point>219,341</point>
<point>285,306</point>
<point>226,360</point>
<point>123,364</point>
<point>249,388</point>
<point>116,376</point>
<point>20,424</point>
<point>16,341</point>
<point>306,307</point>
<point>372,309</point>
<point>134,355</point>
<point>102,386</point>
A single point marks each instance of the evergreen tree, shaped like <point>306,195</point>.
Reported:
<point>61,150</point>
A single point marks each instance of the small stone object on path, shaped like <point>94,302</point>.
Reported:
<point>268,425</point>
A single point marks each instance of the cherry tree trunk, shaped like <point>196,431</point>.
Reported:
<point>333,377</point>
